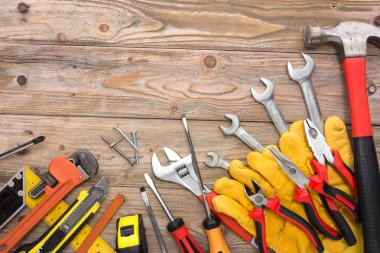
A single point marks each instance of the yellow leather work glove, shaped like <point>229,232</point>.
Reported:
<point>283,236</point>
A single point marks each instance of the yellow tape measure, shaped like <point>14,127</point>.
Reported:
<point>99,246</point>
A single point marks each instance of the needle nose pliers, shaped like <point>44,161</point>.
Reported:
<point>257,214</point>
<point>316,182</point>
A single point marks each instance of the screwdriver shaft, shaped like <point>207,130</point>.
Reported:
<point>154,189</point>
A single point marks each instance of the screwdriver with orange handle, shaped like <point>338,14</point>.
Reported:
<point>211,223</point>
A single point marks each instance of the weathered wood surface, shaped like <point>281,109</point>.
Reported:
<point>145,83</point>
<point>67,134</point>
<point>230,25</point>
<point>70,70</point>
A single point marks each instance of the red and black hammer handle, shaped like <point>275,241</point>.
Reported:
<point>365,158</point>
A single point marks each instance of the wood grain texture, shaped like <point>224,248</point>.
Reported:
<point>70,70</point>
<point>64,135</point>
<point>201,24</point>
<point>90,81</point>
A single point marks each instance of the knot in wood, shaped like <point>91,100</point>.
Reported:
<point>61,37</point>
<point>104,28</point>
<point>23,7</point>
<point>21,80</point>
<point>210,61</point>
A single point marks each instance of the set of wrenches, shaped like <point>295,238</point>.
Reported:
<point>266,98</point>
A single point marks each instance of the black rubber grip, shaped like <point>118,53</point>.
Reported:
<point>259,237</point>
<point>316,222</point>
<point>343,197</point>
<point>344,228</point>
<point>304,225</point>
<point>368,182</point>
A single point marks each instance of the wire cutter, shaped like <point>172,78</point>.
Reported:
<point>316,182</point>
<point>322,153</point>
<point>257,214</point>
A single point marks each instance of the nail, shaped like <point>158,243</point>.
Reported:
<point>116,142</point>
<point>125,137</point>
<point>134,133</point>
<point>118,151</point>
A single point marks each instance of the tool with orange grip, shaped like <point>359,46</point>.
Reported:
<point>181,171</point>
<point>211,223</point>
<point>176,227</point>
<point>65,174</point>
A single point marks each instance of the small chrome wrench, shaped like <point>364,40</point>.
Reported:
<point>303,77</point>
<point>241,133</point>
<point>266,98</point>
<point>217,161</point>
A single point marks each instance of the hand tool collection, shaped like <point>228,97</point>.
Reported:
<point>299,196</point>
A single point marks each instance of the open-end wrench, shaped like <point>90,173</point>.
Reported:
<point>217,161</point>
<point>241,133</point>
<point>266,98</point>
<point>182,172</point>
<point>303,77</point>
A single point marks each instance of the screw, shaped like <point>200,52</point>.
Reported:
<point>118,150</point>
<point>21,80</point>
<point>125,137</point>
<point>134,133</point>
<point>23,7</point>
<point>371,89</point>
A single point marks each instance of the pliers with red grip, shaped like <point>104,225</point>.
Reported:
<point>257,214</point>
<point>315,182</point>
<point>323,153</point>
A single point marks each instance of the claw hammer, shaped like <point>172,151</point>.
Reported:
<point>351,38</point>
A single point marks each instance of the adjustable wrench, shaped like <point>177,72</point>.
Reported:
<point>241,133</point>
<point>303,77</point>
<point>266,98</point>
<point>181,171</point>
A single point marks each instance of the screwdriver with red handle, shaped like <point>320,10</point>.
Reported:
<point>176,227</point>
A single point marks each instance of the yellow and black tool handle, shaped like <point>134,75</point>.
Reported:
<point>55,239</point>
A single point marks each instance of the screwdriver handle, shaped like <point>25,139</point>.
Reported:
<point>183,238</point>
<point>228,221</point>
<point>215,236</point>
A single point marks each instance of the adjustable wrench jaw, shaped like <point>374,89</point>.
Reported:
<point>180,172</point>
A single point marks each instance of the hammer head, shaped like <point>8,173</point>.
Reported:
<point>350,36</point>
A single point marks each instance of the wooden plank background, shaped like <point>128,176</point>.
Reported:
<point>88,65</point>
